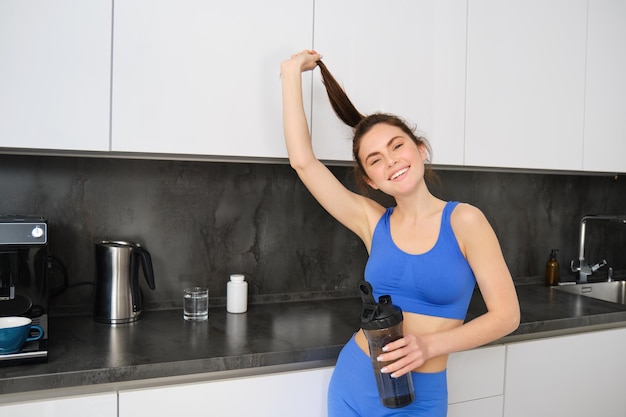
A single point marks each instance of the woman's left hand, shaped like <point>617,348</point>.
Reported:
<point>403,355</point>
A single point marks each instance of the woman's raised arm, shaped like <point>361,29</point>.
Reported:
<point>347,207</point>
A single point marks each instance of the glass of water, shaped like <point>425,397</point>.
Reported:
<point>196,304</point>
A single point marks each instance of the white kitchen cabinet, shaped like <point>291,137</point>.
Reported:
<point>513,84</point>
<point>476,382</point>
<point>404,57</point>
<point>200,77</point>
<point>299,393</point>
<point>575,375</point>
<point>526,83</point>
<point>95,405</point>
<point>605,97</point>
<point>55,76</point>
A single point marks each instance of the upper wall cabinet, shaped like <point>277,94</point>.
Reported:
<point>200,77</point>
<point>526,83</point>
<point>55,75</point>
<point>605,98</point>
<point>401,56</point>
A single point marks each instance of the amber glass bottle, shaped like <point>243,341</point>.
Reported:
<point>552,269</point>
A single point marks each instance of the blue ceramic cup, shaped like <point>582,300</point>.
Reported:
<point>14,332</point>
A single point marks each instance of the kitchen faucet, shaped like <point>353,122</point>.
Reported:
<point>582,266</point>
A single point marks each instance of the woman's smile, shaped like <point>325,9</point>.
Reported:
<point>398,174</point>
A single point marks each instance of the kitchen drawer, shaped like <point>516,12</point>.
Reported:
<point>476,374</point>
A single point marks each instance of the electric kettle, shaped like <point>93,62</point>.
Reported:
<point>118,295</point>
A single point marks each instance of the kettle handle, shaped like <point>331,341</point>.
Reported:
<point>146,266</point>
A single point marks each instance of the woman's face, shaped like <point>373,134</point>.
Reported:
<point>393,163</point>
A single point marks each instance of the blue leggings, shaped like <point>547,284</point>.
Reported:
<point>352,391</point>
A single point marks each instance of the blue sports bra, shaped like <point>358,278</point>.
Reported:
<point>438,283</point>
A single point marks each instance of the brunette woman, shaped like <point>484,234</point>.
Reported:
<point>427,253</point>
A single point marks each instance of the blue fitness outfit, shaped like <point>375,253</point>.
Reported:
<point>437,283</point>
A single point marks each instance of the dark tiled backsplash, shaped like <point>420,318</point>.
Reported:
<point>202,221</point>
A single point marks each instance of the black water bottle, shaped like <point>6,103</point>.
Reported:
<point>382,324</point>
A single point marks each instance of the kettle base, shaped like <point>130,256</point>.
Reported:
<point>108,320</point>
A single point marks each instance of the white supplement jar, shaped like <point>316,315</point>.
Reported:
<point>237,294</point>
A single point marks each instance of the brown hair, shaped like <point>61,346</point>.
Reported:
<point>347,112</point>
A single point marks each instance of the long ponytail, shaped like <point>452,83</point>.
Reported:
<point>341,104</point>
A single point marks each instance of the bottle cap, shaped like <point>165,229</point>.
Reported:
<point>381,315</point>
<point>237,277</point>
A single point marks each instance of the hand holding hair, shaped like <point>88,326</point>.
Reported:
<point>305,60</point>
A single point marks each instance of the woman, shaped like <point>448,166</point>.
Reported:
<point>426,253</point>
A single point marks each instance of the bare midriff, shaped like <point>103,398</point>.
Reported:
<point>418,324</point>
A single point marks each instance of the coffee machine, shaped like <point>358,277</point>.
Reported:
<point>24,280</point>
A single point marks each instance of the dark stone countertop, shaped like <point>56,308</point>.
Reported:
<point>290,335</point>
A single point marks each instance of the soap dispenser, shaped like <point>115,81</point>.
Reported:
<point>553,275</point>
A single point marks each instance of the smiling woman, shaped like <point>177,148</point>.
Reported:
<point>428,254</point>
<point>388,154</point>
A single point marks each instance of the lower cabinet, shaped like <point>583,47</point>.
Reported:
<point>301,393</point>
<point>94,405</point>
<point>476,382</point>
<point>575,375</point>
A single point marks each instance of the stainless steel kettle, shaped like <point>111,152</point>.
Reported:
<point>118,295</point>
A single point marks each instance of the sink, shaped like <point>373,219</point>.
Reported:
<point>615,291</point>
